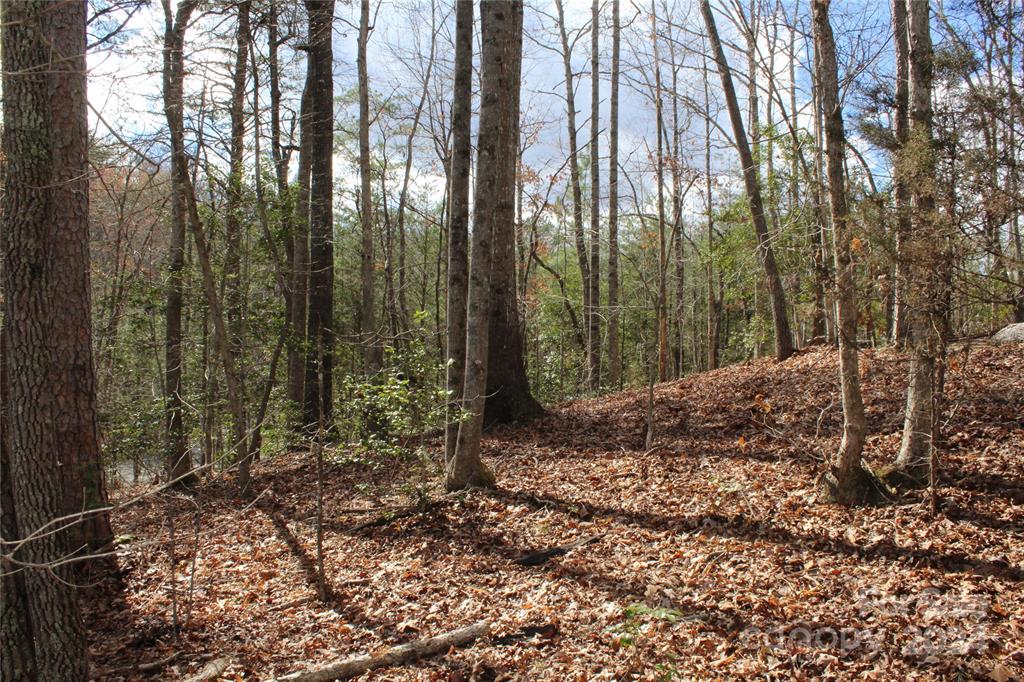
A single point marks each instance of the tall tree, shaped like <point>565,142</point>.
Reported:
<point>175,24</point>
<point>234,297</point>
<point>367,316</point>
<point>783,337</point>
<point>508,388</point>
<point>574,171</point>
<point>901,190</point>
<point>594,283</point>
<point>923,253</point>
<point>320,325</point>
<point>848,481</point>
<point>501,24</point>
<point>614,356</point>
<point>47,357</point>
<point>458,217</point>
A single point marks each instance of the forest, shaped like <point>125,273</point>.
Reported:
<point>511,340</point>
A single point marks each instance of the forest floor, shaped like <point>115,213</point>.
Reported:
<point>710,556</point>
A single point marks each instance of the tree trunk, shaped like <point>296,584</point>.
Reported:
<point>320,325</point>
<point>458,217</point>
<point>901,189</point>
<point>783,337</point>
<point>300,257</point>
<point>508,388</point>
<point>848,481</point>
<point>372,358</point>
<point>923,254</point>
<point>594,276</point>
<point>178,458</point>
<point>614,359</point>
<point>501,28</point>
<point>234,297</point>
<point>44,202</point>
<point>574,175</point>
<point>661,304</point>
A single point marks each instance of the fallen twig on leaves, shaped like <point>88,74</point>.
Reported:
<point>539,557</point>
<point>421,648</point>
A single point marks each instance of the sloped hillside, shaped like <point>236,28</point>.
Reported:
<point>706,556</point>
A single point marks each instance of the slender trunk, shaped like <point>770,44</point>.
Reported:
<point>850,483</point>
<point>175,24</point>
<point>594,276</point>
<point>714,312</point>
<point>458,218</point>
<point>501,27</point>
<point>783,337</point>
<point>614,358</point>
<point>901,188</point>
<point>574,171</point>
<point>300,257</point>
<point>923,253</point>
<point>372,358</point>
<point>234,298</point>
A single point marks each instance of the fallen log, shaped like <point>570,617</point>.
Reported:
<point>421,648</point>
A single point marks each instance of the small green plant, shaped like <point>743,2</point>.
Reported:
<point>629,633</point>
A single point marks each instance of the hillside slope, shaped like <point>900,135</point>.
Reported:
<point>710,557</point>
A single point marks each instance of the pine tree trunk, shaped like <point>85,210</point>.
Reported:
<point>458,216</point>
<point>43,47</point>
<point>501,27</point>
<point>783,336</point>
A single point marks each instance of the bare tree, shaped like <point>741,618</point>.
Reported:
<point>458,218</point>
<point>614,356</point>
<point>848,481</point>
<point>501,27</point>
<point>367,317</point>
<point>783,337</point>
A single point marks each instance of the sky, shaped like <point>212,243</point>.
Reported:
<point>125,85</point>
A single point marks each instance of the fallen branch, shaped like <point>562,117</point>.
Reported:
<point>211,670</point>
<point>539,557</point>
<point>421,648</point>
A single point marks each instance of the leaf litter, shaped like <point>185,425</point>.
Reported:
<point>706,556</point>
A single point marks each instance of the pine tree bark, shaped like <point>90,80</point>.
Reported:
<point>458,219</point>
<point>848,481</point>
<point>43,51</point>
<point>320,324</point>
<point>501,25</point>
<point>614,357</point>
<point>783,337</point>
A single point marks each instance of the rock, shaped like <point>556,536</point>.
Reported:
<point>1011,333</point>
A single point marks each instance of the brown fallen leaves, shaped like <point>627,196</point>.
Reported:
<point>712,558</point>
